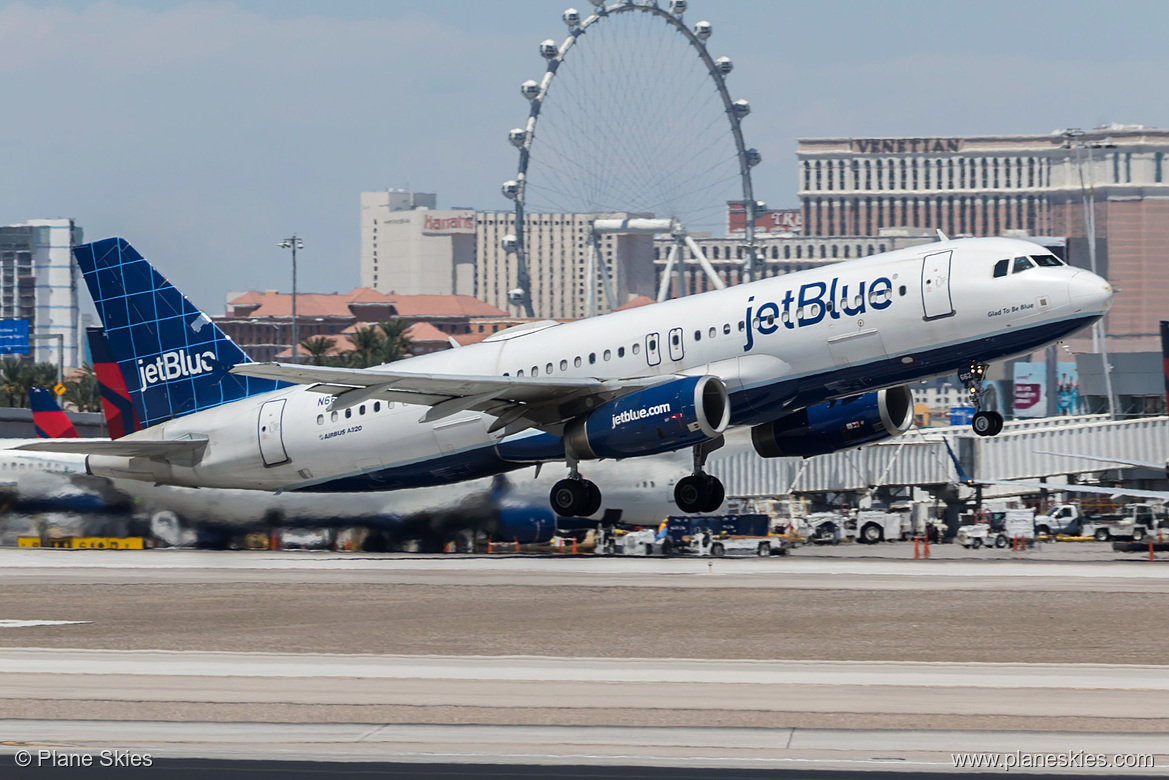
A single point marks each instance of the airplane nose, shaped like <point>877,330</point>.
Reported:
<point>1089,292</point>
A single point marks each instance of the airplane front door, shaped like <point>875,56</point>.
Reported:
<point>653,353</point>
<point>935,285</point>
<point>268,429</point>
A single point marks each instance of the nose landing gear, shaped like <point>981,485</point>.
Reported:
<point>985,423</point>
<point>700,492</point>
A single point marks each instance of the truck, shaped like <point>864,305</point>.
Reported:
<point>1132,522</point>
<point>719,535</point>
<point>875,526</point>
<point>998,529</point>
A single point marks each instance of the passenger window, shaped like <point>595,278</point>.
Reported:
<point>637,349</point>
<point>577,361</point>
<point>1022,264</point>
<point>320,419</point>
<point>1000,268</point>
<point>713,332</point>
<point>548,369</point>
<point>592,358</point>
<point>333,417</point>
<point>901,291</point>
<point>520,372</point>
<point>535,371</point>
<point>361,409</point>
<point>698,335</point>
<point>563,365</point>
<point>608,354</point>
<point>742,326</point>
<point>727,329</point>
<point>348,413</point>
<point>620,352</point>
<point>377,406</point>
<point>1047,261</point>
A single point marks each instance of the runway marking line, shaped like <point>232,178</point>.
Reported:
<point>36,623</point>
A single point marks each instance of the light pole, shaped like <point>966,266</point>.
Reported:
<point>1088,194</point>
<point>294,243</point>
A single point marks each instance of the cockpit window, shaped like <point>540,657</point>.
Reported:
<point>1047,261</point>
<point>1022,264</point>
<point>1000,268</point>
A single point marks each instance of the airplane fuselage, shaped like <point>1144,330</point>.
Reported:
<point>778,344</point>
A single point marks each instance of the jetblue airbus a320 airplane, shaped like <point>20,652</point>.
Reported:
<point>813,362</point>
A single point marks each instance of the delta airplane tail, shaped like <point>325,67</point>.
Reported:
<point>48,418</point>
<point>116,406</point>
<point>173,358</point>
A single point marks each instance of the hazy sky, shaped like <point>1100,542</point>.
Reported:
<point>204,132</point>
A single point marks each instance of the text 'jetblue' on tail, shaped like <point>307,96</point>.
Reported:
<point>175,361</point>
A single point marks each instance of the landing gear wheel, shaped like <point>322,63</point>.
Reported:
<point>594,499</point>
<point>987,423</point>
<point>692,493</point>
<point>575,498</point>
<point>715,494</point>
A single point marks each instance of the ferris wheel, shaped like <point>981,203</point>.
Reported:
<point>633,119</point>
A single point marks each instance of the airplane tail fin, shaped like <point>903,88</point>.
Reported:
<point>173,358</point>
<point>116,406</point>
<point>48,418</point>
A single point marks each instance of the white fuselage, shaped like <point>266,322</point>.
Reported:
<point>777,344</point>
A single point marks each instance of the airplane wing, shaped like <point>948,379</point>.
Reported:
<point>1135,463</point>
<point>120,447</point>
<point>1156,495</point>
<point>517,402</point>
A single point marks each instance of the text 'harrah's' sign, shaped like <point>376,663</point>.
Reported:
<point>767,221</point>
<point>448,223</point>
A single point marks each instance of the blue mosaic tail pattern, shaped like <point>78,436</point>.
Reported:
<point>174,359</point>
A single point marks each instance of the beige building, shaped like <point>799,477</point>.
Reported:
<point>995,185</point>
<point>410,247</point>
<point>557,257</point>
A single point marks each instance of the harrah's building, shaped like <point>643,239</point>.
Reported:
<point>1000,185</point>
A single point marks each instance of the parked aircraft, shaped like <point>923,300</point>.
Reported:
<point>812,362</point>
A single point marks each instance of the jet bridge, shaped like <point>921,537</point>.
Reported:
<point>921,458</point>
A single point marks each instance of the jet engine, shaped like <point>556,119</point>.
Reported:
<point>661,418</point>
<point>836,425</point>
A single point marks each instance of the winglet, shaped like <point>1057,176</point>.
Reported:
<point>942,236</point>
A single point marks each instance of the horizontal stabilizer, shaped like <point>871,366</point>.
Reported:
<point>120,447</point>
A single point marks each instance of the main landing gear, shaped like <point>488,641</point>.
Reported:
<point>700,492</point>
<point>575,496</point>
<point>984,423</point>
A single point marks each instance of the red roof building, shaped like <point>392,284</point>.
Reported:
<point>261,322</point>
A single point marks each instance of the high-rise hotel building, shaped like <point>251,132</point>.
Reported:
<point>998,185</point>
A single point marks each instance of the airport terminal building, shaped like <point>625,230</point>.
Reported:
<point>1022,184</point>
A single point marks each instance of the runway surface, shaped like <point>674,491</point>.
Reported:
<point>820,662</point>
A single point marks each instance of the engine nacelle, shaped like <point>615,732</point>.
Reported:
<point>836,425</point>
<point>662,418</point>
